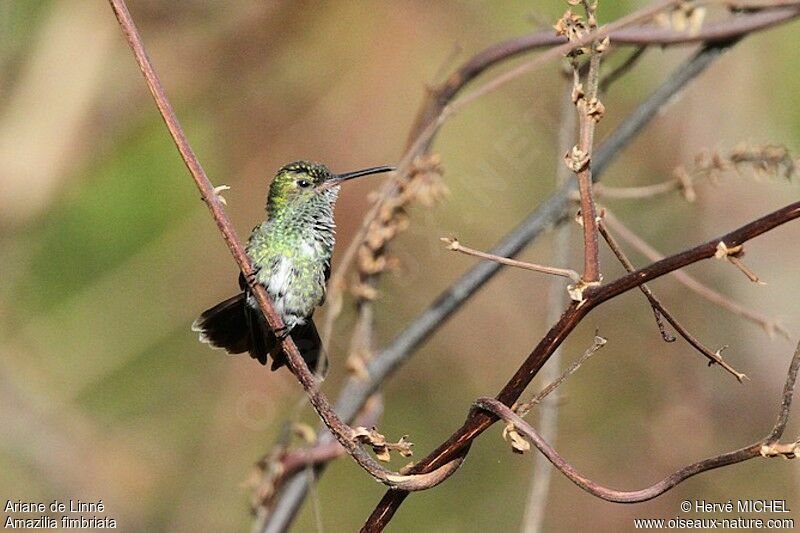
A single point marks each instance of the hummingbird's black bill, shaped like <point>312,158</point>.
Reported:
<point>339,178</point>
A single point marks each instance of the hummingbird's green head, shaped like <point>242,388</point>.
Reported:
<point>303,181</point>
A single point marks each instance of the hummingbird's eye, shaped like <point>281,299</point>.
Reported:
<point>303,183</point>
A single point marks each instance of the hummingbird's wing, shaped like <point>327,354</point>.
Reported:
<point>325,286</point>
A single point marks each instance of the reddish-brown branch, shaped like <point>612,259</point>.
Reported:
<point>478,422</point>
<point>766,447</point>
<point>589,113</point>
<point>762,448</point>
<point>770,325</point>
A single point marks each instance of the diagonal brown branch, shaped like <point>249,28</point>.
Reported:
<point>344,434</point>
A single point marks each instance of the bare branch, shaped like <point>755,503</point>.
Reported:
<point>454,245</point>
<point>733,256</point>
<point>524,408</point>
<point>460,441</point>
<point>658,308</point>
<point>590,111</point>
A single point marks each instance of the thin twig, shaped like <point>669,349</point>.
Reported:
<point>590,111</point>
<point>524,408</point>
<point>770,325</point>
<point>766,447</point>
<point>752,276</point>
<point>454,245</point>
<point>714,357</point>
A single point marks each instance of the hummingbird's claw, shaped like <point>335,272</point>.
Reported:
<point>251,277</point>
<point>282,332</point>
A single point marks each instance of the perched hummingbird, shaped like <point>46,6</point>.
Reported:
<point>291,253</point>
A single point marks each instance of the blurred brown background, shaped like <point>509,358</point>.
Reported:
<point>107,255</point>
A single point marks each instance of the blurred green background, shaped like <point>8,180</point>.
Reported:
<point>107,255</point>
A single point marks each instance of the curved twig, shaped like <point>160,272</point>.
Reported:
<point>762,448</point>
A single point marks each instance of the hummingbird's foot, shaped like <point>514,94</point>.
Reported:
<point>282,332</point>
<point>251,277</point>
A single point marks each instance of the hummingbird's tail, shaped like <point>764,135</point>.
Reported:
<point>237,328</point>
<point>308,343</point>
<point>225,326</point>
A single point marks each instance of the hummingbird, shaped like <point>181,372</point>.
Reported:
<point>291,255</point>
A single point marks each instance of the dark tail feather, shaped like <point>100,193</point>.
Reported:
<point>237,328</point>
<point>262,340</point>
<point>308,343</point>
<point>225,325</point>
